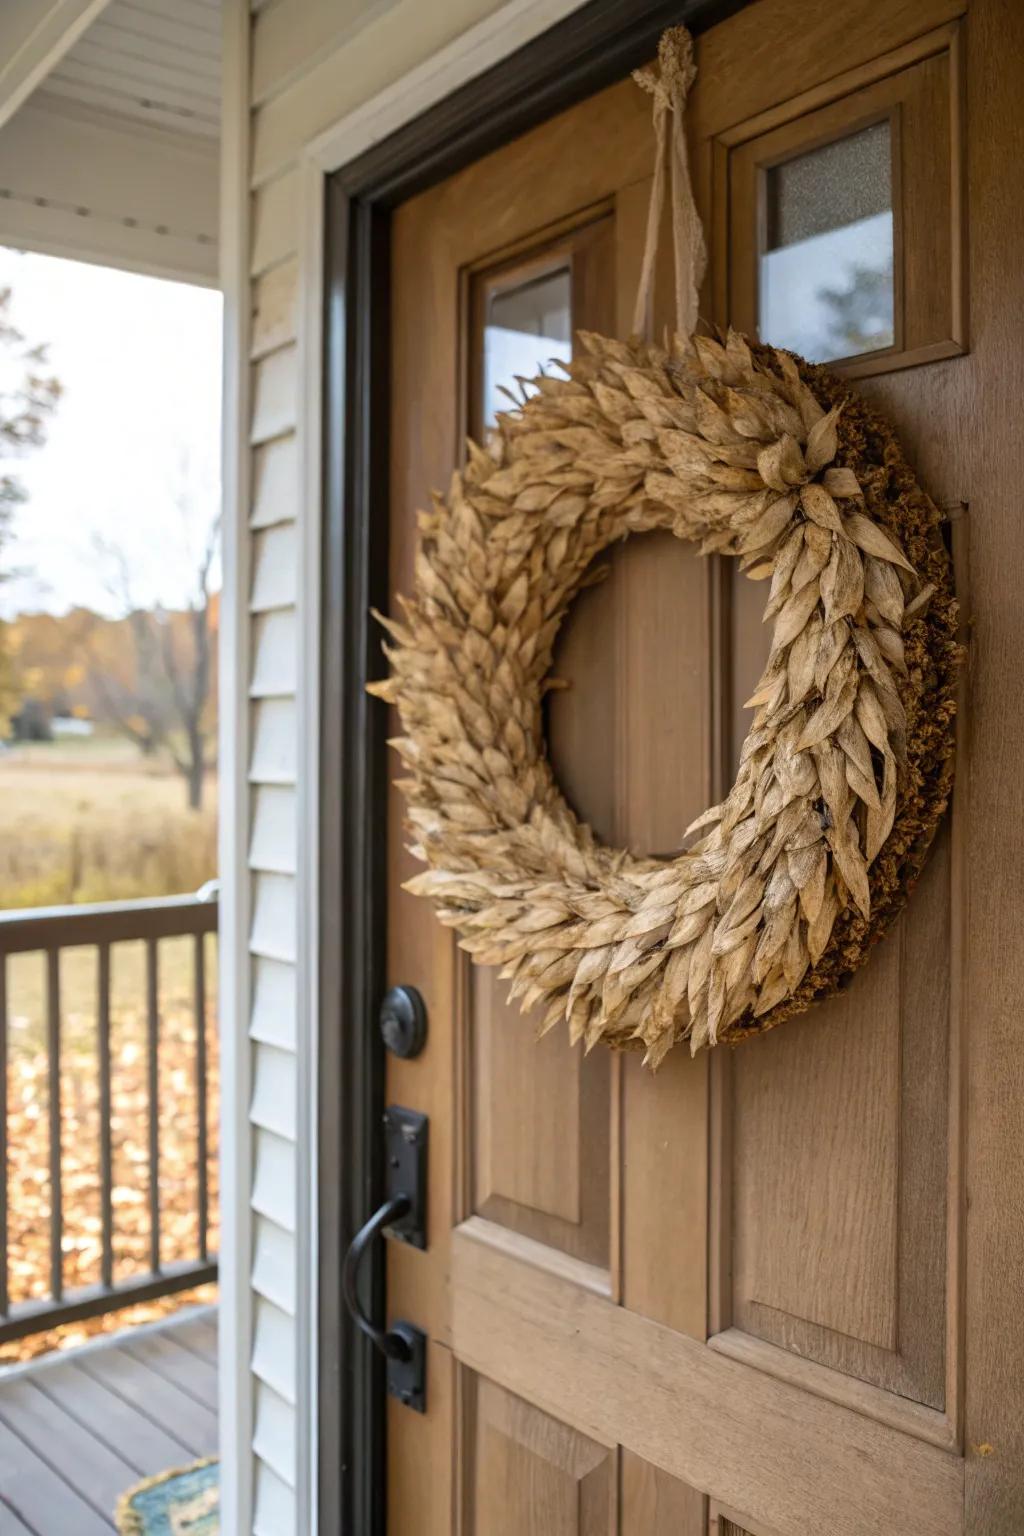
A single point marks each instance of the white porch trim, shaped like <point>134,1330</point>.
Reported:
<point>235,1263</point>
<point>34,37</point>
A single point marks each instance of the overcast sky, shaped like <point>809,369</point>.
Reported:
<point>132,457</point>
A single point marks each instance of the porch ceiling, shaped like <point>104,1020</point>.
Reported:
<point>114,157</point>
<point>151,61</point>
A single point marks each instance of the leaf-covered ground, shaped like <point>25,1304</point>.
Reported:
<point>28,1130</point>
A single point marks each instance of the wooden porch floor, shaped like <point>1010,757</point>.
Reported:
<point>78,1429</point>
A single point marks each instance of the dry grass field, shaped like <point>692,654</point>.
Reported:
<point>92,822</point>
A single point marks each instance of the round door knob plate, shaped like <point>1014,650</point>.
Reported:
<point>403,1021</point>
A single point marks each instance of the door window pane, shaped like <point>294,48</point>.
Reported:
<point>526,325</point>
<point>826,270</point>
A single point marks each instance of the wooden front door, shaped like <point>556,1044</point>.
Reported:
<point>771,1291</point>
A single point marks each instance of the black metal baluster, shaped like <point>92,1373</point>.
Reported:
<point>53,1081</point>
<point>153,1096</point>
<point>202,1147</point>
<point>5,1300</point>
<point>45,935</point>
<point>106,1108</point>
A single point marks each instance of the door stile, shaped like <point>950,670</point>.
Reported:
<point>709,183</point>
<point>959,1013</point>
<point>720,1099</point>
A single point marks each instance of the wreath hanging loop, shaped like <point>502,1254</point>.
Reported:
<point>847,765</point>
<point>669,84</point>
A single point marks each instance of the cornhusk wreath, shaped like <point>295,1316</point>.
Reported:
<point>846,769</point>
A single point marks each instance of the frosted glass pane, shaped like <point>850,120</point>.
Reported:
<point>526,327</point>
<point>826,273</point>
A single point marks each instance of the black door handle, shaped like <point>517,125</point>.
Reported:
<point>392,1342</point>
<point>404,1211</point>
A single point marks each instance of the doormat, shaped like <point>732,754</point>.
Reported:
<point>185,1502</point>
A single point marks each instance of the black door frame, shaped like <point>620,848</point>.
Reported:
<point>592,48</point>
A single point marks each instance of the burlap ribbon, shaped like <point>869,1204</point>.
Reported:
<point>669,83</point>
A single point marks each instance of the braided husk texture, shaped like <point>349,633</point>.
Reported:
<point>846,769</point>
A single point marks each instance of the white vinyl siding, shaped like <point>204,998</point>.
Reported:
<point>274,1435</point>
<point>275,394</point>
<point>273,756</point>
<point>273,1003</point>
<point>273,1184</point>
<point>274,644</point>
<point>275,1513</point>
<point>273,569</point>
<point>275,473</point>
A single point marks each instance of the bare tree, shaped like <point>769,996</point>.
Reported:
<point>162,695</point>
<point>188,664</point>
<point>130,689</point>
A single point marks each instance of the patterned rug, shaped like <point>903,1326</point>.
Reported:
<point>181,1503</point>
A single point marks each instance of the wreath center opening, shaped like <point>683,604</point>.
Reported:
<point>626,724</point>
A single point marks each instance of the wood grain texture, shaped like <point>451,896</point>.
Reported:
<point>540,1110</point>
<point>529,1474</point>
<point>815,1164</point>
<point>983,399</point>
<point>866,1087</point>
<point>664,688</point>
<point>652,1502</point>
<point>795,1462</point>
<point>422,1451</point>
<point>742,70</point>
<point>540,1116</point>
<point>894,1253</point>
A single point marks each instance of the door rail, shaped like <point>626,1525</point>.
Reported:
<point>49,931</point>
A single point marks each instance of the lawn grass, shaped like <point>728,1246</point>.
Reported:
<point>87,821</point>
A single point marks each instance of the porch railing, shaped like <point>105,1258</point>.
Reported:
<point>48,932</point>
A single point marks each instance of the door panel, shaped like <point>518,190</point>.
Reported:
<point>527,1473</point>
<point>539,1124</point>
<point>840,1166</point>
<point>796,1461</point>
<point>657,1504</point>
<point>726,1298</point>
